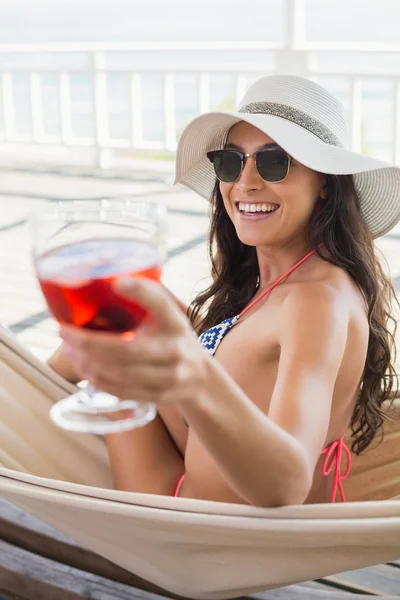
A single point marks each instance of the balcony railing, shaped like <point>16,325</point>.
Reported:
<point>95,66</point>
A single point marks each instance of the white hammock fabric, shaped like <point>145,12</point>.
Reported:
<point>193,548</point>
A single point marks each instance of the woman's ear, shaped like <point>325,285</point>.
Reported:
<point>324,190</point>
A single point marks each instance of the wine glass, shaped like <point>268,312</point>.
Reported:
<point>80,249</point>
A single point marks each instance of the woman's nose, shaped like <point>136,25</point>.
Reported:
<point>249,177</point>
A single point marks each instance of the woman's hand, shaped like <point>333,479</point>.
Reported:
<point>61,363</point>
<point>162,363</point>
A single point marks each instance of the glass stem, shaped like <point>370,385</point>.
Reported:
<point>88,395</point>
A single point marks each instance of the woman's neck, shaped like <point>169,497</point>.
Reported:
<point>274,261</point>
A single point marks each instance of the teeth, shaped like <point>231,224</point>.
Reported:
<point>254,208</point>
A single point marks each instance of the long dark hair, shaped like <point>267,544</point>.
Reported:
<point>338,224</point>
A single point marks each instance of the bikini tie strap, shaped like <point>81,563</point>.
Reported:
<point>333,460</point>
<point>278,281</point>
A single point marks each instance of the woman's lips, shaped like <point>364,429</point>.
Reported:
<point>255,216</point>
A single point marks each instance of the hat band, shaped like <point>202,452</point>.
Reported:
<point>295,116</point>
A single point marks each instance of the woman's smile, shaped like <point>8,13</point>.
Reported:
<point>256,211</point>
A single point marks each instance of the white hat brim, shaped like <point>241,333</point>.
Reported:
<point>377,182</point>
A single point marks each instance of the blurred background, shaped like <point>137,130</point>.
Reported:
<point>126,76</point>
<point>95,93</point>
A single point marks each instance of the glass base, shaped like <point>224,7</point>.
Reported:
<point>102,415</point>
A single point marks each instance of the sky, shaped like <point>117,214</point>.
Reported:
<point>192,20</point>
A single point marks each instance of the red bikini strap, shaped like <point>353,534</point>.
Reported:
<point>333,460</point>
<point>277,282</point>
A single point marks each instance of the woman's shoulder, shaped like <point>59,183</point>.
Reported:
<point>328,286</point>
<point>323,320</point>
<point>326,278</point>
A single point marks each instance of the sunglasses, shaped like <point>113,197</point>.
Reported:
<point>272,164</point>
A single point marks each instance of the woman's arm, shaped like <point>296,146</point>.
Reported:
<point>145,459</point>
<point>269,459</point>
<point>268,455</point>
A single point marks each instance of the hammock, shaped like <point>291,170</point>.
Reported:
<point>197,549</point>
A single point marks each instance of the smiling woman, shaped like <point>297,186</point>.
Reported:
<point>294,344</point>
<point>271,162</point>
<point>290,204</point>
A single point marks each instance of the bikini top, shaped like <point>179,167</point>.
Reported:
<point>212,338</point>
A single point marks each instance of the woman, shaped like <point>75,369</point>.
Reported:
<point>260,417</point>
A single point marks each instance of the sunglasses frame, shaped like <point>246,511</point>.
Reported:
<point>243,159</point>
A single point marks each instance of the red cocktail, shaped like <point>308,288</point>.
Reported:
<point>77,282</point>
<point>81,249</point>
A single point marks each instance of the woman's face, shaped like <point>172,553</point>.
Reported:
<point>294,198</point>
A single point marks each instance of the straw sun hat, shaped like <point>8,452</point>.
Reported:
<point>310,125</point>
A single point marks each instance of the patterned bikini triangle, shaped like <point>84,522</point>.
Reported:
<point>211,338</point>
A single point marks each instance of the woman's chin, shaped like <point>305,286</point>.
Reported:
<point>257,240</point>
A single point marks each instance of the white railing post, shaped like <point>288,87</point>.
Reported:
<point>293,57</point>
<point>204,92</point>
<point>136,113</point>
<point>169,112</point>
<point>240,88</point>
<point>64,95</point>
<point>100,108</point>
<point>36,107</point>
<point>295,24</point>
<point>356,114</point>
<point>8,106</point>
<point>396,122</point>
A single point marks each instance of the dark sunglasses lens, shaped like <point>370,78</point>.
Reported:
<point>272,165</point>
<point>227,165</point>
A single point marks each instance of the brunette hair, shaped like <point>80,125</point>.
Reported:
<point>338,224</point>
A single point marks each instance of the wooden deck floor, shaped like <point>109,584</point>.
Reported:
<point>39,563</point>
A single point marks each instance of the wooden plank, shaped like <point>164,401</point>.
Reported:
<point>335,583</point>
<point>26,576</point>
<point>300,592</point>
<point>31,577</point>
<point>378,580</point>
<point>316,585</point>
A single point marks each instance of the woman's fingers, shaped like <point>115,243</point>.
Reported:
<point>110,347</point>
<point>129,393</point>
<point>156,300</point>
<point>145,386</point>
<point>155,378</point>
<point>160,362</point>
